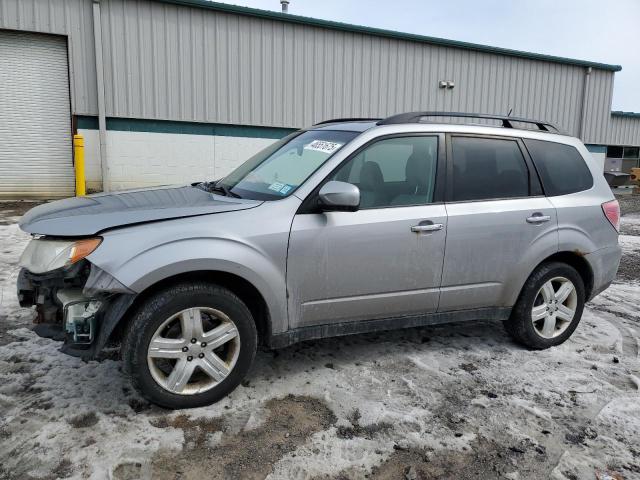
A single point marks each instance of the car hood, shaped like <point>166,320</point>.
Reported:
<point>80,216</point>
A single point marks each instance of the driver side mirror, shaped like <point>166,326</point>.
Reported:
<point>339,197</point>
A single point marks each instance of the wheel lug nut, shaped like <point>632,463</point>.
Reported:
<point>185,349</point>
<point>201,355</point>
<point>189,358</point>
<point>203,344</point>
<point>193,340</point>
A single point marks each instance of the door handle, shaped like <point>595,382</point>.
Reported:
<point>538,218</point>
<point>431,227</point>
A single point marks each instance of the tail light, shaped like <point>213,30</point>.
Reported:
<point>612,212</point>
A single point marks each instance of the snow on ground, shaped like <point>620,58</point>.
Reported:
<point>458,401</point>
<point>631,224</point>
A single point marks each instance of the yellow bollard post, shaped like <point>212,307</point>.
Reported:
<point>78,160</point>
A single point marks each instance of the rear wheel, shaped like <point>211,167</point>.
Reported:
<point>549,308</point>
<point>189,345</point>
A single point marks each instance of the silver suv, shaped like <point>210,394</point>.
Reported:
<point>346,227</point>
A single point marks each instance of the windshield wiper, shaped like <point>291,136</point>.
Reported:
<point>221,188</point>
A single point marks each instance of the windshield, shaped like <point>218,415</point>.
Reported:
<point>279,169</point>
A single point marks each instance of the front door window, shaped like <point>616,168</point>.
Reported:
<point>393,172</point>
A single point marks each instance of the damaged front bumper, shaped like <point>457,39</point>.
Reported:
<point>79,315</point>
<point>81,305</point>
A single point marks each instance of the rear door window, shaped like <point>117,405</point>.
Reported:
<point>561,167</point>
<point>487,168</point>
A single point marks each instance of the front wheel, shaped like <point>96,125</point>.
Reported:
<point>549,307</point>
<point>189,345</point>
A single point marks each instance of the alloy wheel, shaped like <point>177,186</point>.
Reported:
<point>193,351</point>
<point>554,307</point>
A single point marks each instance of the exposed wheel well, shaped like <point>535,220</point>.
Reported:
<point>577,261</point>
<point>248,293</point>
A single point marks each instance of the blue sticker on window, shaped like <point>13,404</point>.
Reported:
<point>284,190</point>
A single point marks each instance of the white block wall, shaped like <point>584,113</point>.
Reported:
<point>143,159</point>
<point>229,152</point>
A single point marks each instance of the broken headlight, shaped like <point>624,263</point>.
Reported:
<point>44,255</point>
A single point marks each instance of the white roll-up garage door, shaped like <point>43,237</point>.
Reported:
<point>35,117</point>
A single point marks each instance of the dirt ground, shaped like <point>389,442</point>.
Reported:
<point>9,210</point>
<point>630,210</point>
<point>450,402</point>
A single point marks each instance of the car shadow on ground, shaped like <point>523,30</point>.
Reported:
<point>469,336</point>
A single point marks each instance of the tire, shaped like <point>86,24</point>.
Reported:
<point>212,370</point>
<point>542,333</point>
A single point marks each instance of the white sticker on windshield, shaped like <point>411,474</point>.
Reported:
<point>276,186</point>
<point>323,146</point>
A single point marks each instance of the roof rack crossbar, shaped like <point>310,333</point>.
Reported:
<point>334,120</point>
<point>414,117</point>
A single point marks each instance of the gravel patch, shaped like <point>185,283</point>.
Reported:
<point>628,203</point>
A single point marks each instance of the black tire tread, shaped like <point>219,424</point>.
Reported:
<point>519,323</point>
<point>143,316</point>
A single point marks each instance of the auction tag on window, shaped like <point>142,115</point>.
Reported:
<point>323,146</point>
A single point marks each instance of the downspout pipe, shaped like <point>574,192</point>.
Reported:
<point>102,119</point>
<point>583,113</point>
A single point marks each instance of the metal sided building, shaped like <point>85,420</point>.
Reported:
<point>173,91</point>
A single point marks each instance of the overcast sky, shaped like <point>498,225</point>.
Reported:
<point>606,31</point>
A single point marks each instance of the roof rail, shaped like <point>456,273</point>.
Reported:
<point>414,117</point>
<point>334,120</point>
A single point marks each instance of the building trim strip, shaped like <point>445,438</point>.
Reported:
<point>618,113</point>
<point>380,32</point>
<point>596,148</point>
<point>186,128</point>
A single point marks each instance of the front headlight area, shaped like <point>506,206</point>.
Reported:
<point>53,277</point>
<point>44,255</point>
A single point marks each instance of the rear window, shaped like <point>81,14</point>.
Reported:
<point>561,167</point>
